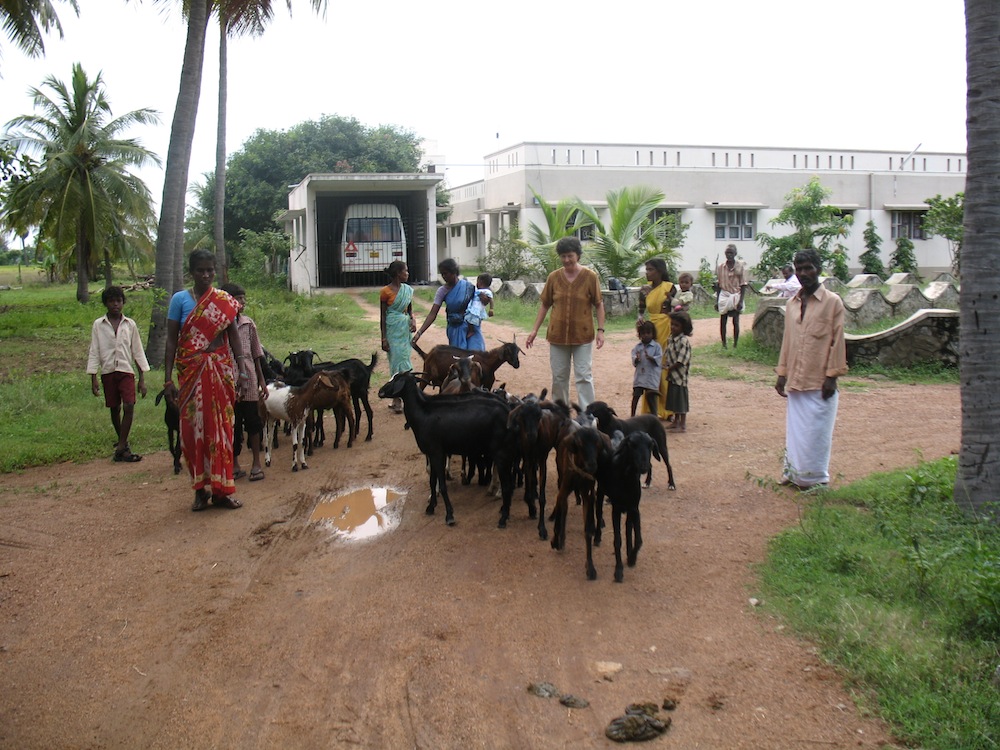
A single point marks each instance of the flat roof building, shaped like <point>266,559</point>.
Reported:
<point>727,194</point>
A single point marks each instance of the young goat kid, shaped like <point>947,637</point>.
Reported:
<point>608,423</point>
<point>293,405</point>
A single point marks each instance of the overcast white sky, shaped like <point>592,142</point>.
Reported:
<point>477,77</point>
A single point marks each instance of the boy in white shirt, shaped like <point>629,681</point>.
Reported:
<point>114,344</point>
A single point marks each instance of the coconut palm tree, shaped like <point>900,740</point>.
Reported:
<point>82,192</point>
<point>620,246</point>
<point>170,232</point>
<point>977,481</point>
<point>561,220</point>
<point>25,22</point>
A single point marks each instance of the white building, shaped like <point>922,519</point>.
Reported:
<point>726,193</point>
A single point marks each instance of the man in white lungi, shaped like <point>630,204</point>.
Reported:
<point>730,286</point>
<point>813,356</point>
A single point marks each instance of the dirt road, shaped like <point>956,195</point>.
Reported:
<point>129,621</point>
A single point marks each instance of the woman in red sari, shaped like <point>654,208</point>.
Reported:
<point>201,327</point>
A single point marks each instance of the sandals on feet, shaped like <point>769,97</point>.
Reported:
<point>256,475</point>
<point>226,501</point>
<point>127,456</point>
<point>201,498</point>
<point>239,474</point>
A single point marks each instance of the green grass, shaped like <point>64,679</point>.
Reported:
<point>904,593</point>
<point>47,411</point>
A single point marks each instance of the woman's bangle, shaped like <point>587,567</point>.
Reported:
<point>601,330</point>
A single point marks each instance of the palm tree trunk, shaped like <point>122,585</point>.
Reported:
<point>977,482</point>
<point>82,266</point>
<point>170,233</point>
<point>221,259</point>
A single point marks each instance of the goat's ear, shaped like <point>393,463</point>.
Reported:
<point>654,449</point>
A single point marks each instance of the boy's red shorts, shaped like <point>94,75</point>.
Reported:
<point>119,388</point>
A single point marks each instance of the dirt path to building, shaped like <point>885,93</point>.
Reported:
<point>131,622</point>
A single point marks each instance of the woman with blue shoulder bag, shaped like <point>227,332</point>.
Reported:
<point>455,295</point>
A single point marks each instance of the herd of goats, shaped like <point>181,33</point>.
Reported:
<point>504,439</point>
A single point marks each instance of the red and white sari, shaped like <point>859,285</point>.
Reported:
<point>207,393</point>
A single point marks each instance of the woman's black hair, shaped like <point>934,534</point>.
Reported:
<point>197,256</point>
<point>448,265</point>
<point>661,267</point>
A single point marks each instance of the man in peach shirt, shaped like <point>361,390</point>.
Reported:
<point>813,356</point>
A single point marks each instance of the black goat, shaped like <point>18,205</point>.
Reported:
<point>172,419</point>
<point>619,480</point>
<point>608,423</point>
<point>537,427</point>
<point>469,424</point>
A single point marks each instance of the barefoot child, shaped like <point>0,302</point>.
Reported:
<point>677,362</point>
<point>647,357</point>
<point>114,344</point>
<point>250,391</point>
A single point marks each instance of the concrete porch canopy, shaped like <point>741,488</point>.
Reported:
<point>315,217</point>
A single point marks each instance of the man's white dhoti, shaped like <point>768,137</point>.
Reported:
<point>809,437</point>
<point>729,302</point>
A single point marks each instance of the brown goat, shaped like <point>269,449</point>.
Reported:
<point>438,361</point>
<point>463,375</point>
<point>294,406</point>
<point>335,396</point>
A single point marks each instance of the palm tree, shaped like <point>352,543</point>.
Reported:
<point>25,21</point>
<point>170,232</point>
<point>561,220</point>
<point>977,481</point>
<point>620,247</point>
<point>82,193</point>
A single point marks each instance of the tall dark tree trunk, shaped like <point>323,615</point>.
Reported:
<point>108,272</point>
<point>977,484</point>
<point>82,265</point>
<point>221,260</point>
<point>170,233</point>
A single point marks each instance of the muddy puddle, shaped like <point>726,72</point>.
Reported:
<point>362,513</point>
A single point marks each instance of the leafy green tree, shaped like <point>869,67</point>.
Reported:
<point>903,260</point>
<point>563,219</point>
<point>508,256</point>
<point>258,256</point>
<point>946,217</point>
<point>814,225</point>
<point>706,274</point>
<point>26,21</point>
<point>871,258</point>
<point>236,18</point>
<point>622,245</point>
<point>258,175</point>
<point>82,194</point>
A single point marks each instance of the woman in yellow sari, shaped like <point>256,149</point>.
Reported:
<point>655,305</point>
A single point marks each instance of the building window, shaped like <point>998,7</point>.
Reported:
<point>735,225</point>
<point>471,235</point>
<point>456,230</point>
<point>909,224</point>
<point>585,234</point>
